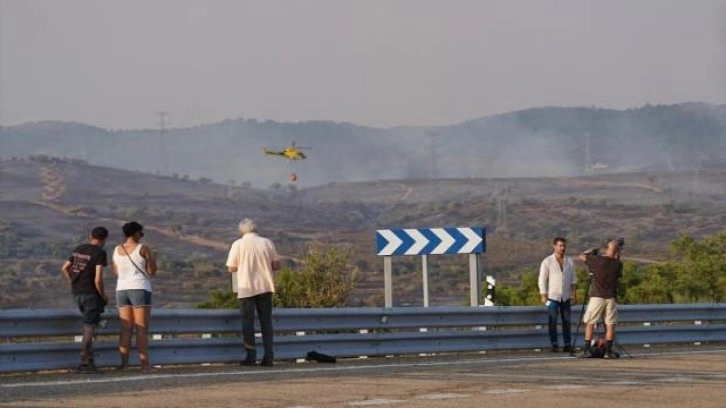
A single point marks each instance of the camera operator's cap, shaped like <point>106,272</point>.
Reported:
<point>591,251</point>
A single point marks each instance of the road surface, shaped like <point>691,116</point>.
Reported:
<point>694,377</point>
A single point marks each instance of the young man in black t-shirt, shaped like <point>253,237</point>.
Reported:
<point>84,272</point>
<point>606,272</point>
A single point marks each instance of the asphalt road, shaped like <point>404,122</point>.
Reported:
<point>693,377</point>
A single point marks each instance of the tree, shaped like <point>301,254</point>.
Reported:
<point>701,270</point>
<point>220,300</point>
<point>696,274</point>
<point>326,279</point>
<point>652,285</point>
<point>525,294</point>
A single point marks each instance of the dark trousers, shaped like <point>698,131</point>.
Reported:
<point>555,310</point>
<point>263,304</point>
<point>91,305</point>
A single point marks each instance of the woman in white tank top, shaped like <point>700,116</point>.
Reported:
<point>131,270</point>
<point>134,265</point>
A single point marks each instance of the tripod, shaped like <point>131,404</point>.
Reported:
<point>585,299</point>
<point>582,311</point>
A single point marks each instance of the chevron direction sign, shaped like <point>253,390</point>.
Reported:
<point>431,241</point>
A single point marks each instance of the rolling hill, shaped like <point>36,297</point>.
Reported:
<point>48,205</point>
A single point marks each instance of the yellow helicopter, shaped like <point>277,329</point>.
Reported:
<point>293,152</point>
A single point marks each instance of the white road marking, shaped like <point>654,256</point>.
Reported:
<point>442,396</point>
<point>564,387</point>
<point>259,372</point>
<point>505,391</point>
<point>372,402</point>
<point>627,383</point>
<point>678,378</point>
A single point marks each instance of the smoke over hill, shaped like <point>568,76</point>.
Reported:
<point>535,142</point>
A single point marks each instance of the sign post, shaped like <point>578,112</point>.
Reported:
<point>431,241</point>
<point>474,280</point>
<point>388,281</point>
<point>425,279</point>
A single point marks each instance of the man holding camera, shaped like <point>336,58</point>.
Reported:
<point>557,288</point>
<point>605,272</point>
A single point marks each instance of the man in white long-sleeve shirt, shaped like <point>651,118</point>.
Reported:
<point>557,282</point>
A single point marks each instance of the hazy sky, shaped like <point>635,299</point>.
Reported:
<point>378,63</point>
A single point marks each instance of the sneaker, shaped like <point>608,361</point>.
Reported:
<point>124,362</point>
<point>567,349</point>
<point>248,363</point>
<point>585,354</point>
<point>87,369</point>
<point>266,363</point>
<point>611,355</point>
<point>555,349</point>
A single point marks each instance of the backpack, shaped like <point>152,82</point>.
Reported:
<point>598,347</point>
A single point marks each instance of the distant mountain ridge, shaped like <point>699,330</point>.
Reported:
<point>548,141</point>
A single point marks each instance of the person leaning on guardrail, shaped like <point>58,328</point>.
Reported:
<point>134,265</point>
<point>557,288</point>
<point>84,272</point>
<point>254,259</point>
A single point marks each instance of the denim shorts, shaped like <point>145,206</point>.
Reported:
<point>133,298</point>
<point>91,306</point>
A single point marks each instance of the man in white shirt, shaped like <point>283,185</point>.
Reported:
<point>254,259</point>
<point>557,282</point>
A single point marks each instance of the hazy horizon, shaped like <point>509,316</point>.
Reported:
<point>372,63</point>
<point>171,127</point>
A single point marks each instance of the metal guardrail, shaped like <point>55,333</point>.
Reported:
<point>42,339</point>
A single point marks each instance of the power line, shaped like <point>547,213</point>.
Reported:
<point>588,157</point>
<point>501,199</point>
<point>434,154</point>
<point>163,154</point>
<point>433,163</point>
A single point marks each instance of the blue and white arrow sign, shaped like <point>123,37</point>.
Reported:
<point>431,241</point>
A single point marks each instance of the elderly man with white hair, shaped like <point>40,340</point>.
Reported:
<point>254,259</point>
